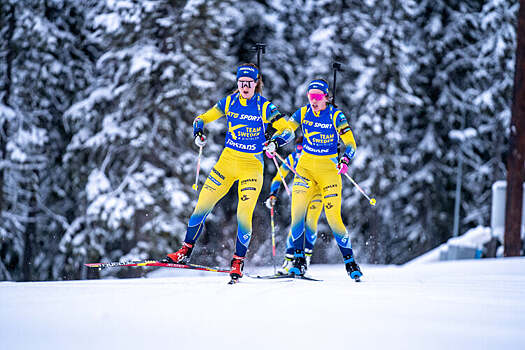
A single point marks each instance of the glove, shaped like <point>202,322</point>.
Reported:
<point>271,201</point>
<point>198,126</point>
<point>270,147</point>
<point>200,139</point>
<point>342,166</point>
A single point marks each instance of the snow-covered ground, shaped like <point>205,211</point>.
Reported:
<point>474,304</point>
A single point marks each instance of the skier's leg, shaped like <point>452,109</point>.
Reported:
<point>301,195</point>
<point>330,183</point>
<point>215,187</point>
<point>315,207</point>
<point>249,188</point>
<point>302,192</point>
<point>289,243</point>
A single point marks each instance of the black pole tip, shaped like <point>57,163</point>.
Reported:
<point>337,66</point>
<point>260,47</point>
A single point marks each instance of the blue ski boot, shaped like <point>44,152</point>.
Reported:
<point>299,263</point>
<point>352,268</point>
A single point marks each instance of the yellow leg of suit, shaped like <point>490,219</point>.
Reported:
<point>320,173</point>
<point>232,166</point>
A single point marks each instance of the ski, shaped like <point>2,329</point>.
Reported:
<point>156,263</point>
<point>271,277</point>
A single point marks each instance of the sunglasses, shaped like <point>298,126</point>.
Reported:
<point>316,97</point>
<point>244,83</point>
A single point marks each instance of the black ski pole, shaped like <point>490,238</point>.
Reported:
<point>260,48</point>
<point>337,67</point>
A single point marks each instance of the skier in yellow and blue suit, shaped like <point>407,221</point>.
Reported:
<point>248,115</point>
<point>323,125</point>
<point>315,207</point>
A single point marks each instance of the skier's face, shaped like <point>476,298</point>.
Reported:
<point>317,99</point>
<point>246,87</point>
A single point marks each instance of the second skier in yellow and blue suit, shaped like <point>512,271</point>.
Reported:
<point>320,168</point>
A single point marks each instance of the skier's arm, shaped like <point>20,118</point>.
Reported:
<point>295,120</point>
<point>210,115</point>
<point>341,124</point>
<point>283,133</point>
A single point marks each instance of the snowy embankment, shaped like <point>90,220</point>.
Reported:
<point>474,304</point>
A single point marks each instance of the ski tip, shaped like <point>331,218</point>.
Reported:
<point>93,265</point>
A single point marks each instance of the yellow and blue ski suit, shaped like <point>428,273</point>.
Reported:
<point>315,206</point>
<point>317,168</point>
<point>241,160</point>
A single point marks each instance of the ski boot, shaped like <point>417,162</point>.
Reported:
<point>237,265</point>
<point>299,263</point>
<point>308,256</point>
<point>181,256</point>
<point>287,265</point>
<point>352,268</point>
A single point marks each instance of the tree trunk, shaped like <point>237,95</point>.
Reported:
<point>516,167</point>
<point>29,237</point>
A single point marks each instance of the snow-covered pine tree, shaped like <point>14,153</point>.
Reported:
<point>46,70</point>
<point>163,65</point>
<point>11,246</point>
<point>477,78</point>
<point>378,100</point>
